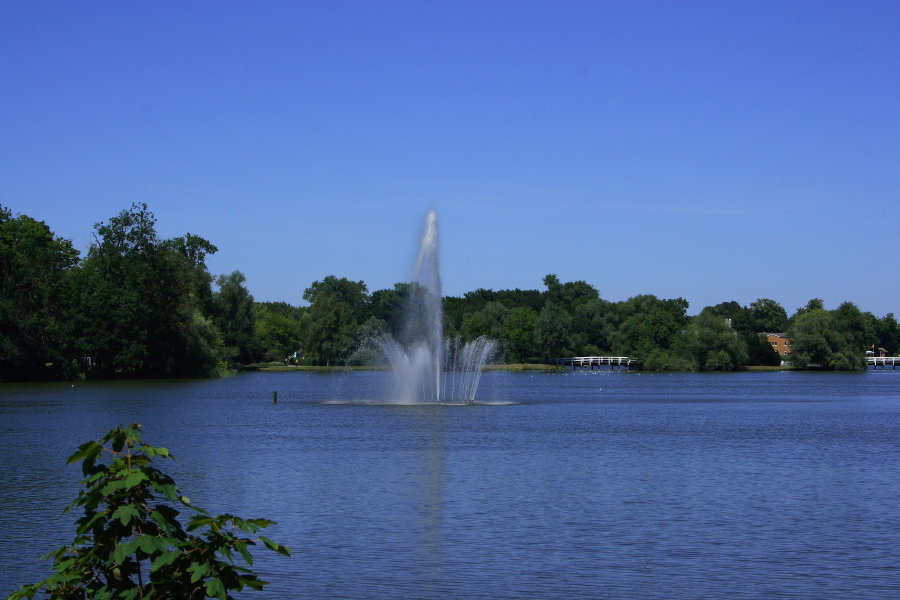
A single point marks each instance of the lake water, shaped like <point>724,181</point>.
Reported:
<point>576,485</point>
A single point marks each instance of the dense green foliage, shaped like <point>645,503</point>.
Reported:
<point>33,268</point>
<point>571,319</point>
<point>137,302</point>
<point>139,306</point>
<point>831,339</point>
<point>336,311</point>
<point>129,542</point>
<point>135,306</point>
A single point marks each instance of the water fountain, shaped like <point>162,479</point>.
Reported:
<point>428,367</point>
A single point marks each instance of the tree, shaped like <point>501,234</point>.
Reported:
<point>472,327</point>
<point>887,333</point>
<point>714,344</point>
<point>457,309</point>
<point>813,304</point>
<point>351,293</point>
<point>196,345</point>
<point>596,321</point>
<point>34,265</point>
<point>767,316</point>
<point>737,316</point>
<point>649,325</point>
<point>129,542</point>
<point>811,338</point>
<point>122,297</point>
<point>856,326</point>
<point>832,340</point>
<point>487,322</point>
<point>760,351</point>
<point>191,250</point>
<point>569,294</point>
<point>139,303</point>
<point>518,334</point>
<point>366,346</point>
<point>276,329</point>
<point>329,326</point>
<point>551,331</point>
<point>388,306</point>
<point>233,315</point>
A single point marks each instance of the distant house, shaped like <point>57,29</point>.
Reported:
<point>780,343</point>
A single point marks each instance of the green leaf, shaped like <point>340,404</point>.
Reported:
<point>170,541</point>
<point>112,486</point>
<point>134,478</point>
<point>151,544</point>
<point>85,526</point>
<point>253,583</point>
<point>160,520</point>
<point>168,489</point>
<point>164,559</point>
<point>276,547</point>
<point>63,565</point>
<point>198,571</point>
<point>242,548</point>
<point>198,521</point>
<point>215,589</point>
<point>260,522</point>
<point>123,551</point>
<point>125,513</point>
<point>84,451</point>
<point>118,439</point>
<point>104,593</point>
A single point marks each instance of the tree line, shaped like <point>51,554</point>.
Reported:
<point>134,306</point>
<point>571,319</point>
<point>140,306</point>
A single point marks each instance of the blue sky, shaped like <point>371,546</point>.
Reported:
<point>709,150</point>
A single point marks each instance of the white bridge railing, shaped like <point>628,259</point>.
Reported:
<point>884,361</point>
<point>594,361</point>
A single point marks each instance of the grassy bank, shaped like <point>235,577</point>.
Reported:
<point>523,367</point>
<point>279,368</point>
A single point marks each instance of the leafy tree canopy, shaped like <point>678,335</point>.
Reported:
<point>34,265</point>
<point>829,340</point>
<point>329,327</point>
<point>715,345</point>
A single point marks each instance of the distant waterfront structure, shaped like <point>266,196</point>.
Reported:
<point>780,343</point>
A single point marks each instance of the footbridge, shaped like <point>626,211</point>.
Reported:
<point>883,361</point>
<point>584,362</point>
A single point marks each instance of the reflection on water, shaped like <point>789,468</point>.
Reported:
<point>572,485</point>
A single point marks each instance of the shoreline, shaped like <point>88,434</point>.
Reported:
<point>280,368</point>
<point>512,367</point>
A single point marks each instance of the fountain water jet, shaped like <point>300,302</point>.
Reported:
<point>430,368</point>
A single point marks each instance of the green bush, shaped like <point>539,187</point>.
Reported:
<point>130,544</point>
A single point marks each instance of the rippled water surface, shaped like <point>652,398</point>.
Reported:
<point>576,485</point>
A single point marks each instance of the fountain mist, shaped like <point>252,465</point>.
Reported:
<point>429,368</point>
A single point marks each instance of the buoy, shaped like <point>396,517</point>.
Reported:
<point>274,397</point>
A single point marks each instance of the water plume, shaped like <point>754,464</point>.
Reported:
<point>427,367</point>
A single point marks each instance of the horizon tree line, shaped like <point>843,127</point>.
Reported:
<point>139,306</point>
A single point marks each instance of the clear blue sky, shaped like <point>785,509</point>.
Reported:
<point>713,150</point>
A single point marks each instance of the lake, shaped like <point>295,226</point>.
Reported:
<point>559,485</point>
